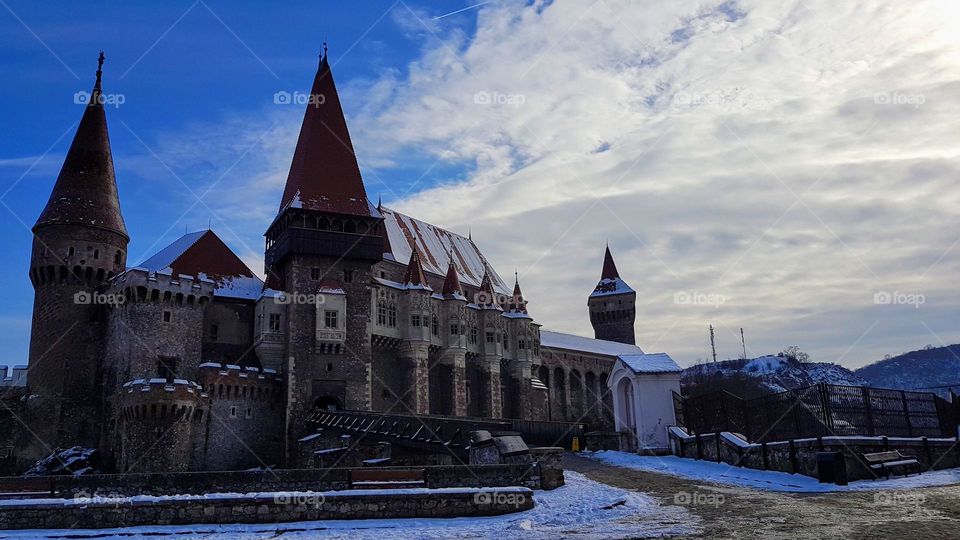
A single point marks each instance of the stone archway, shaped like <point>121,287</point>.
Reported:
<point>327,403</point>
<point>626,408</point>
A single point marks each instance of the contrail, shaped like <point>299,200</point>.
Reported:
<point>462,10</point>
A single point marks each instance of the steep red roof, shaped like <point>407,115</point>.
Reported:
<point>203,252</point>
<point>414,275</point>
<point>451,284</point>
<point>517,303</point>
<point>437,247</point>
<point>86,189</point>
<point>324,174</point>
<point>609,267</point>
<point>487,297</point>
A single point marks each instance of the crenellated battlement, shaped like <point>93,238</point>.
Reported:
<point>141,285</point>
<point>230,381</point>
<point>160,399</point>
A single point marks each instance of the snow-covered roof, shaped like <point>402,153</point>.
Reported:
<point>205,256</point>
<point>164,258</point>
<point>608,287</point>
<point>650,363</point>
<point>244,287</point>
<point>559,340</point>
<point>435,245</point>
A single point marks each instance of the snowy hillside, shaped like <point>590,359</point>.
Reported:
<point>922,370</point>
<point>776,373</point>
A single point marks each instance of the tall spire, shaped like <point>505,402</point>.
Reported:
<point>86,189</point>
<point>414,277</point>
<point>324,174</point>
<point>609,267</point>
<point>451,284</point>
<point>517,302</point>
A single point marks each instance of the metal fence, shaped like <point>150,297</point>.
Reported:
<point>822,409</point>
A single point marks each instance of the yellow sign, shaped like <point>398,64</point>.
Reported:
<point>575,446</point>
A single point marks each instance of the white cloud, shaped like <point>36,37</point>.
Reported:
<point>793,157</point>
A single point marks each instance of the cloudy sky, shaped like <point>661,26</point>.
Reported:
<point>788,167</point>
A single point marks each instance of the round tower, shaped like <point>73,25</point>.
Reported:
<point>612,305</point>
<point>79,242</point>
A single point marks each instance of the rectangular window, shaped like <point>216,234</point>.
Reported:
<point>521,344</point>
<point>490,337</point>
<point>274,322</point>
<point>381,314</point>
<point>167,316</point>
<point>473,335</point>
<point>454,329</point>
<point>249,412</point>
<point>214,332</point>
<point>414,320</point>
<point>330,319</point>
<point>348,276</point>
<point>392,316</point>
<point>315,274</point>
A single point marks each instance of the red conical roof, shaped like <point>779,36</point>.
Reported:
<point>487,296</point>
<point>517,303</point>
<point>86,189</point>
<point>414,275</point>
<point>609,267</point>
<point>451,284</point>
<point>324,174</point>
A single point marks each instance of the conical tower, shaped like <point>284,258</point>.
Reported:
<point>324,242</point>
<point>79,242</point>
<point>612,305</point>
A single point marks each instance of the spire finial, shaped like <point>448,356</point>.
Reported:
<point>516,275</point>
<point>379,201</point>
<point>100,59</point>
<point>470,234</point>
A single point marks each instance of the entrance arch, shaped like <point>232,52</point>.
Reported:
<point>327,403</point>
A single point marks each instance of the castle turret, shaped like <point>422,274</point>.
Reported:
<point>79,242</point>
<point>326,237</point>
<point>612,305</point>
<point>414,349</point>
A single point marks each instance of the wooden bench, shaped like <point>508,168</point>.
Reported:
<point>884,462</point>
<point>26,488</point>
<point>374,478</point>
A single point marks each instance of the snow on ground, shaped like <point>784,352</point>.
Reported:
<point>722,473</point>
<point>581,508</point>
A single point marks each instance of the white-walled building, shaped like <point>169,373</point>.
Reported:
<point>642,387</point>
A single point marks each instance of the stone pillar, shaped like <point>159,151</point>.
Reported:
<point>456,361</point>
<point>416,383</point>
<point>491,400</point>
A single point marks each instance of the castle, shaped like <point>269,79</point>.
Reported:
<point>188,361</point>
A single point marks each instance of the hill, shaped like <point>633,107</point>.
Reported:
<point>922,370</point>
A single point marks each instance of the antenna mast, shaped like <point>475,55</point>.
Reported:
<point>713,345</point>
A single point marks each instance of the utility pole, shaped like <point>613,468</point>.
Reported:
<point>743,342</point>
<point>713,345</point>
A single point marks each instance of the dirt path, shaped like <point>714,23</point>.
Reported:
<point>737,512</point>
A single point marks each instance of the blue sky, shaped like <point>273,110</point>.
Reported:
<point>176,64</point>
<point>786,167</point>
